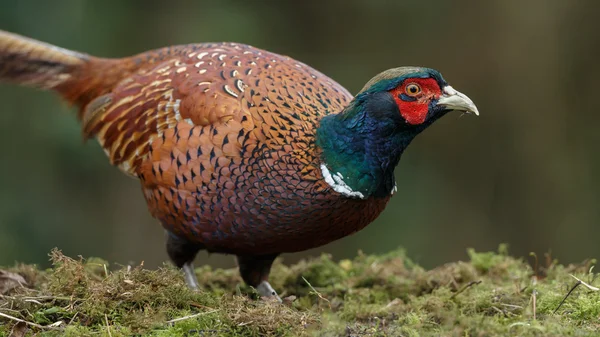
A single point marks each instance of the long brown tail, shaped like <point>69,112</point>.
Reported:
<point>29,62</point>
<point>77,77</point>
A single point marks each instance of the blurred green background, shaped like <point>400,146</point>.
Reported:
<point>526,172</point>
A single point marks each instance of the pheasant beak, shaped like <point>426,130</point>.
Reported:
<point>457,101</point>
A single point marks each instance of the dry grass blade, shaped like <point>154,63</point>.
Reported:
<point>107,325</point>
<point>191,316</point>
<point>590,287</point>
<point>314,291</point>
<point>12,318</point>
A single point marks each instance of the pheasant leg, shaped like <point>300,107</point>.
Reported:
<point>183,253</point>
<point>255,272</point>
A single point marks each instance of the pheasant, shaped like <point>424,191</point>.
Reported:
<point>239,150</point>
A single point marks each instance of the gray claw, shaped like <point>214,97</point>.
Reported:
<point>265,290</point>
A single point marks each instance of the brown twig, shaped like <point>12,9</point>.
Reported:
<point>465,287</point>
<point>200,306</point>
<point>534,303</point>
<point>500,311</point>
<point>577,284</point>
<point>534,280</point>
<point>566,296</point>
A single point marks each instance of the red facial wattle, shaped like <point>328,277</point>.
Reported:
<point>414,108</point>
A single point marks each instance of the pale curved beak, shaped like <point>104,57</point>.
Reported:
<point>457,101</point>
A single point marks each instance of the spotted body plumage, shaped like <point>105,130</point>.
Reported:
<point>240,150</point>
<point>222,139</point>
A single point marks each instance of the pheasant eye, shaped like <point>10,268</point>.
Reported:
<point>413,89</point>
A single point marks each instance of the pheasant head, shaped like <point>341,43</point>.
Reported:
<point>362,145</point>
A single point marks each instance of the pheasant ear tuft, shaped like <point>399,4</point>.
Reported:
<point>391,78</point>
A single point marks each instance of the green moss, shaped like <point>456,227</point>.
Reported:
<point>485,261</point>
<point>388,295</point>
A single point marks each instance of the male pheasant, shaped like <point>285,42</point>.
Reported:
<point>240,150</point>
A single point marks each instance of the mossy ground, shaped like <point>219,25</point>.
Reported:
<point>388,295</point>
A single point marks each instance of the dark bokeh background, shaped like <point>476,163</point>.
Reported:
<point>527,172</point>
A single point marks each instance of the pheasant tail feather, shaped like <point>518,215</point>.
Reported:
<point>77,77</point>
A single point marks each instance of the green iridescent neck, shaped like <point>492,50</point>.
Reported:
<point>362,145</point>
